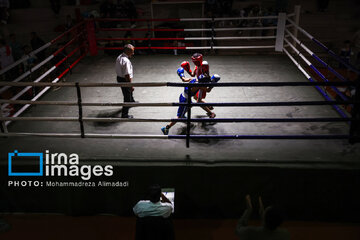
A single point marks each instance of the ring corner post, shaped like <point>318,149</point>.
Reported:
<point>90,30</point>
<point>280,32</point>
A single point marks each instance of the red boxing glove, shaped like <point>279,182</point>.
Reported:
<point>186,66</point>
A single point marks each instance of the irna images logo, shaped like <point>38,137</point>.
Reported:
<point>23,157</point>
<point>54,165</point>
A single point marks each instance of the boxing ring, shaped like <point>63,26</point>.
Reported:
<point>268,109</point>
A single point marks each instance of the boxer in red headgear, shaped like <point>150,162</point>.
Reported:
<point>201,68</point>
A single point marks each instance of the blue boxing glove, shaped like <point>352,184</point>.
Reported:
<point>180,72</point>
<point>203,79</point>
<point>215,78</point>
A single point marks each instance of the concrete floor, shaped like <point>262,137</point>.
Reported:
<point>162,68</point>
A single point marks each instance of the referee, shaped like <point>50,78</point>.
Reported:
<point>124,72</point>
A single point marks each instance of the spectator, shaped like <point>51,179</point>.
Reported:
<point>131,12</point>
<point>268,22</point>
<point>243,22</point>
<point>281,5</point>
<point>356,44</point>
<point>112,44</point>
<point>31,61</point>
<point>55,6</point>
<point>322,5</point>
<point>107,9</point>
<point>156,205</point>
<point>144,43</point>
<point>4,226</point>
<point>255,12</point>
<point>64,65</point>
<point>37,42</point>
<point>4,11</point>
<point>16,47</point>
<point>271,219</point>
<point>69,22</point>
<point>6,57</point>
<point>129,37</point>
<point>211,7</point>
<point>345,54</point>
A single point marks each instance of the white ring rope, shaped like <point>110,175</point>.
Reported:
<point>27,73</point>
<point>86,135</point>
<point>227,38</point>
<point>85,119</point>
<point>291,15</point>
<point>69,103</point>
<point>298,52</point>
<point>297,64</point>
<point>25,58</point>
<point>227,19</point>
<point>225,29</point>
<point>229,47</point>
<point>29,87</point>
<point>299,42</point>
<point>83,84</point>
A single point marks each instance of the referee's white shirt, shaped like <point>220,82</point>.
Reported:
<point>123,66</point>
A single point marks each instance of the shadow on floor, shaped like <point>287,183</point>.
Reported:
<point>201,128</point>
<point>107,114</point>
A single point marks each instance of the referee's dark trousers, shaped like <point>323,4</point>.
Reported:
<point>128,97</point>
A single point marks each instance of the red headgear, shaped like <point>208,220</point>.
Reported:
<point>197,59</point>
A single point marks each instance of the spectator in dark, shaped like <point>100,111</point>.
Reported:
<point>131,12</point>
<point>356,44</point>
<point>345,54</point>
<point>4,226</point>
<point>271,220</point>
<point>31,61</point>
<point>59,57</point>
<point>63,66</point>
<point>211,34</point>
<point>144,43</point>
<point>112,44</point>
<point>322,5</point>
<point>255,12</point>
<point>281,5</point>
<point>211,7</point>
<point>6,57</point>
<point>37,42</point>
<point>55,6</point>
<point>16,47</point>
<point>128,35</point>
<point>268,22</point>
<point>107,9</point>
<point>155,205</point>
<point>226,6</point>
<point>4,11</point>
<point>69,22</point>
